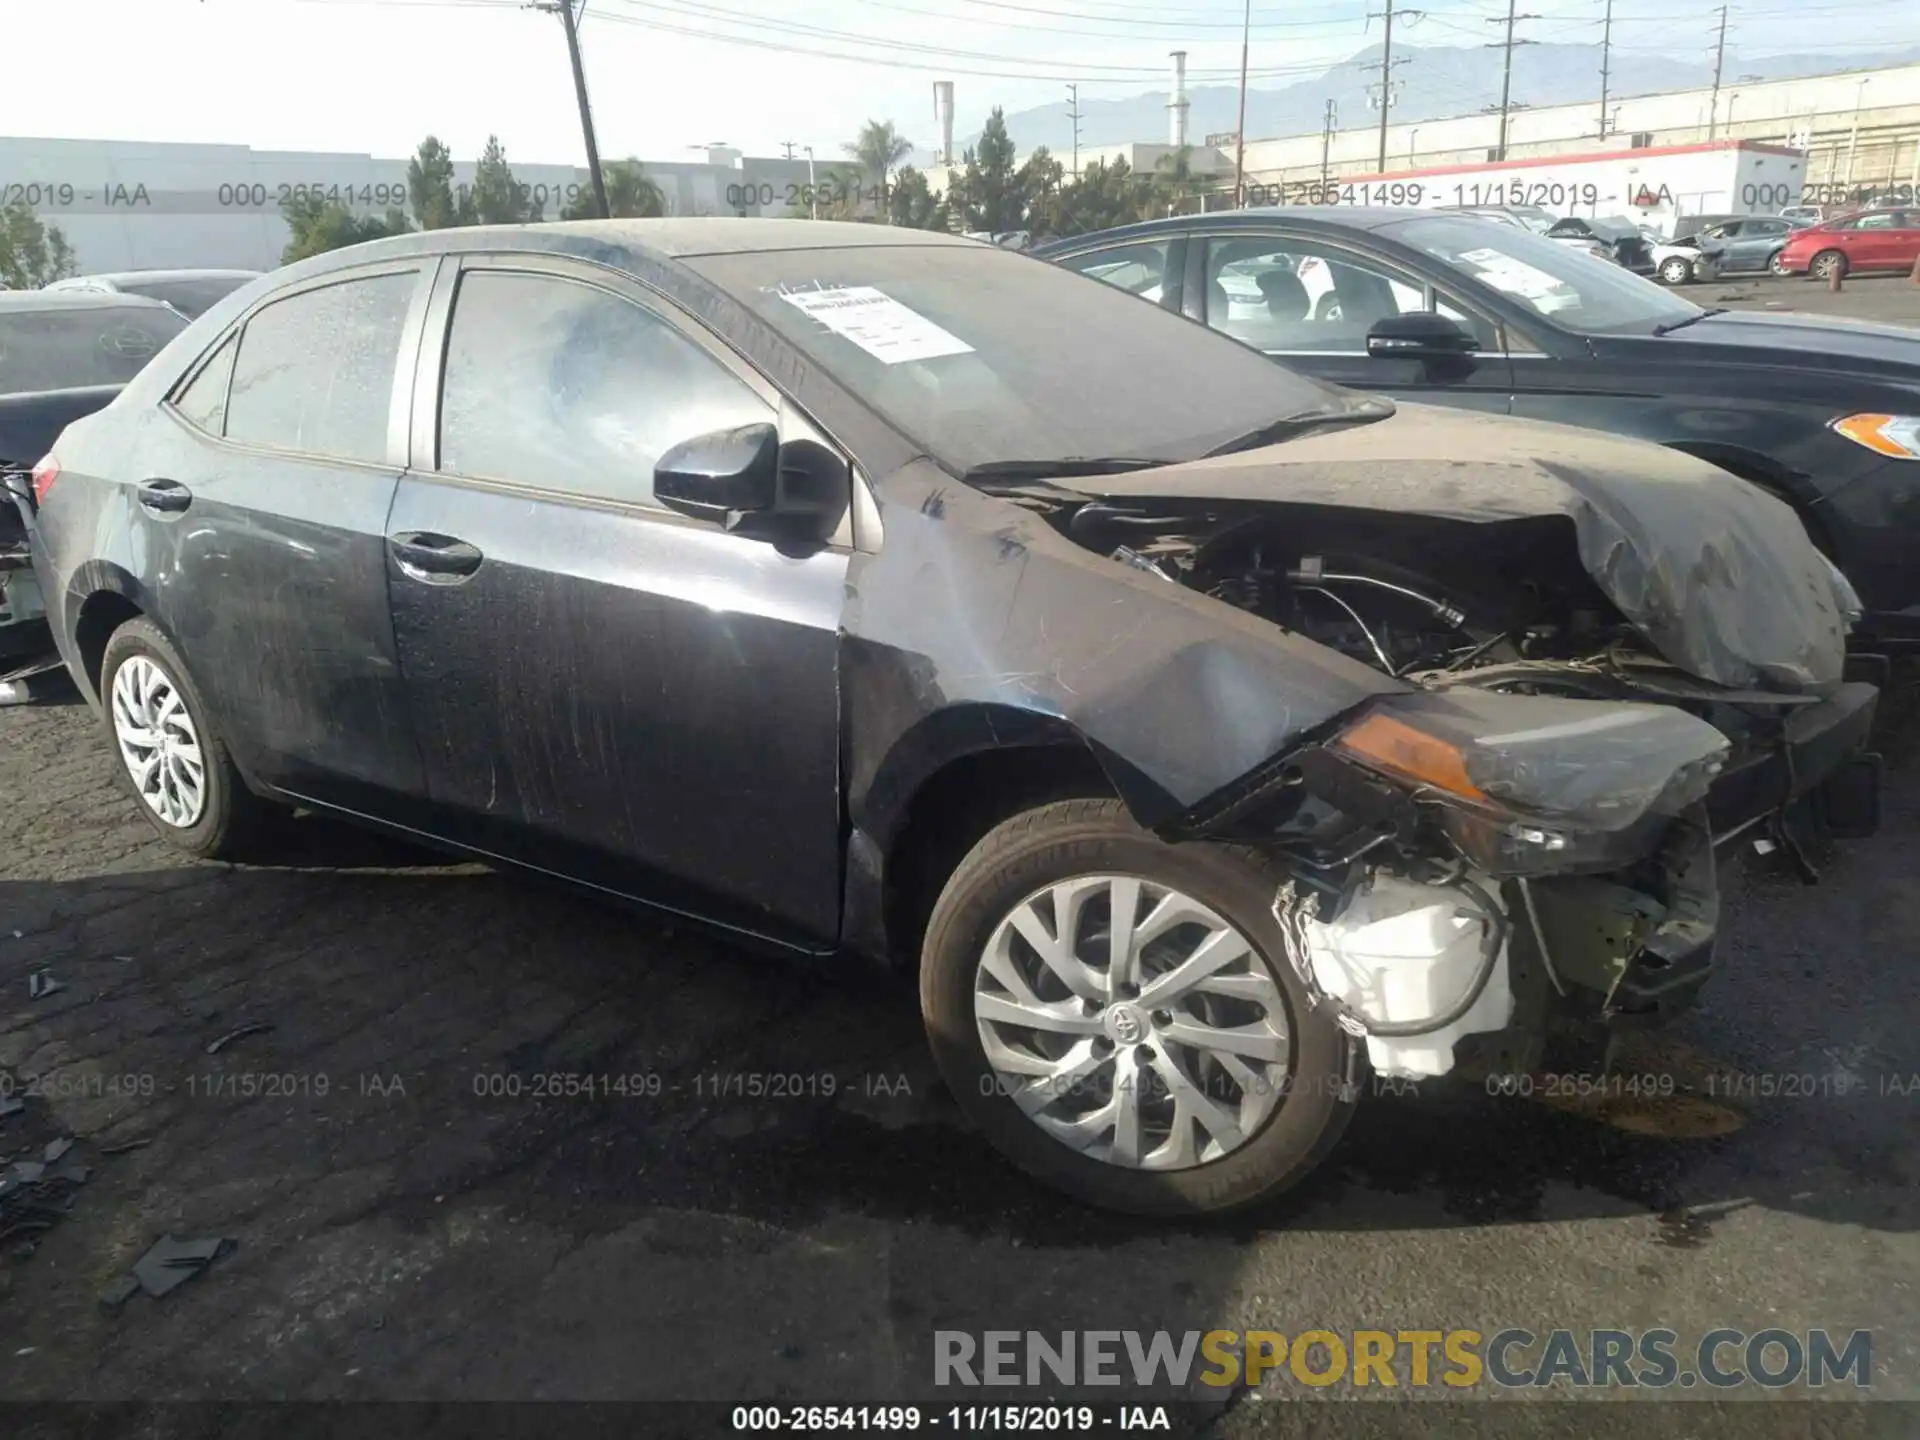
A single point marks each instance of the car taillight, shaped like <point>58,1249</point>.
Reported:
<point>44,474</point>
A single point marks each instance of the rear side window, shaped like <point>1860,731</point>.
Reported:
<point>315,371</point>
<point>204,402</point>
<point>568,387</point>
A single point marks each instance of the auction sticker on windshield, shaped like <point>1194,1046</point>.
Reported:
<point>1516,277</point>
<point>878,324</point>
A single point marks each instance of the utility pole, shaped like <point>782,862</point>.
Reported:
<point>1606,54</point>
<point>1073,113</point>
<point>1506,70</point>
<point>1387,62</point>
<point>1326,145</point>
<point>1240,129</point>
<point>787,145</point>
<point>1719,56</point>
<point>570,21</point>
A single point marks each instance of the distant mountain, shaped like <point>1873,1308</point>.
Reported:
<point>1436,83</point>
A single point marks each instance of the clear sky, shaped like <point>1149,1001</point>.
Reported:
<point>666,75</point>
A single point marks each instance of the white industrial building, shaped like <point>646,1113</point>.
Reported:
<point>134,204</point>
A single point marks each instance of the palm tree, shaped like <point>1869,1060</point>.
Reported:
<point>879,148</point>
<point>631,193</point>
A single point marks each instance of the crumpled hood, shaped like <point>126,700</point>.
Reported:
<point>1718,575</point>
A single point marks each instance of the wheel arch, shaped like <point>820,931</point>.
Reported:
<point>101,598</point>
<point>945,784</point>
<point>1769,475</point>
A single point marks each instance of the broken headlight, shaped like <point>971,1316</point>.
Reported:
<point>1531,784</point>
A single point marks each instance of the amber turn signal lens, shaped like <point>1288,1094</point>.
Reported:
<point>1399,749</point>
<point>1897,436</point>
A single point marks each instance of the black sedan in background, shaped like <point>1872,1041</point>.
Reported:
<point>874,591</point>
<point>1457,310</point>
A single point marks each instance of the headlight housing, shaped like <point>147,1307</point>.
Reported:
<point>1895,436</point>
<point>1532,783</point>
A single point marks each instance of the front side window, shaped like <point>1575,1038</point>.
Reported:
<point>564,386</point>
<point>1304,295</point>
<point>315,370</point>
<point>1137,269</point>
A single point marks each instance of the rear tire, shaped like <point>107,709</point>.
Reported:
<point>158,727</point>
<point>1826,264</point>
<point>1778,265</point>
<point>1315,1077</point>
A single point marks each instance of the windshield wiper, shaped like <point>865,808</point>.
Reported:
<point>1359,412</point>
<point>1067,465</point>
<point>1669,326</point>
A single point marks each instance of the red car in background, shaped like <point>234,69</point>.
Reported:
<point>1865,240</point>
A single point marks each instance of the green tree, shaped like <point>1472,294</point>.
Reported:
<point>1039,182</point>
<point>32,253</point>
<point>319,227</point>
<point>497,198</point>
<point>990,188</point>
<point>631,193</point>
<point>912,202</point>
<point>430,186</point>
<point>1104,195</point>
<point>879,148</point>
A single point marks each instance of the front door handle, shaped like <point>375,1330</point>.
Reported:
<point>436,559</point>
<point>165,497</point>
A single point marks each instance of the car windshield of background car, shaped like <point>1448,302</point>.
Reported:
<point>1573,289</point>
<point>981,355</point>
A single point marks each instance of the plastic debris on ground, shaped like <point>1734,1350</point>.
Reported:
<point>214,1047</point>
<point>41,984</point>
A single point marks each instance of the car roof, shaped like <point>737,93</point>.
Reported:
<point>17,300</point>
<point>1326,217</point>
<point>115,277</point>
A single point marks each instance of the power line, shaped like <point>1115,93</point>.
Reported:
<point>1133,74</point>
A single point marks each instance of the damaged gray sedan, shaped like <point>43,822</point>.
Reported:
<point>1204,737</point>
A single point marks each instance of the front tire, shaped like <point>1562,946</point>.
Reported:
<point>1180,1071</point>
<point>169,754</point>
<point>1676,271</point>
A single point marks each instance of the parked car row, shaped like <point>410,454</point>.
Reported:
<point>1861,240</point>
<point>1204,728</point>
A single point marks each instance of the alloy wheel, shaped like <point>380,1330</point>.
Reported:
<point>1132,1023</point>
<point>158,742</point>
<point>1778,264</point>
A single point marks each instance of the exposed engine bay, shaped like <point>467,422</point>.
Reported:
<point>1421,924</point>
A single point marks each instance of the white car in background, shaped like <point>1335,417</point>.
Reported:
<point>191,292</point>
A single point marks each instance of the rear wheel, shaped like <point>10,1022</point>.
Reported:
<point>1778,264</point>
<point>1827,264</point>
<point>1118,1015</point>
<point>171,755</point>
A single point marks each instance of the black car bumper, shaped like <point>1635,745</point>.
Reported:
<point>1817,742</point>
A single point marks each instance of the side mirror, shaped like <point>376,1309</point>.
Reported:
<point>1420,335</point>
<point>721,474</point>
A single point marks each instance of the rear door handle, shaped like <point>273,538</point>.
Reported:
<point>436,559</point>
<point>165,497</point>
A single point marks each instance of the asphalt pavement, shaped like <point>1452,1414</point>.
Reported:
<point>1890,299</point>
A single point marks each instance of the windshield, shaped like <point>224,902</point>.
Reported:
<point>64,349</point>
<point>1560,282</point>
<point>981,355</point>
<point>190,297</point>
